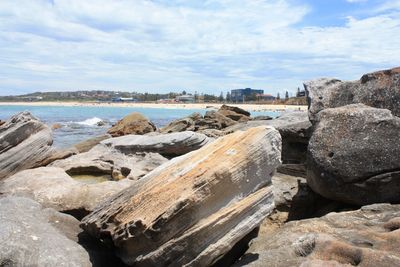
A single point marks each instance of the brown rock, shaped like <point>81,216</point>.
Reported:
<point>134,123</point>
<point>56,126</point>
<point>192,210</point>
<point>235,109</point>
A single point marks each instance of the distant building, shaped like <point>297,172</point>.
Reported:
<point>240,95</point>
<point>265,97</point>
<point>124,99</point>
<point>185,98</point>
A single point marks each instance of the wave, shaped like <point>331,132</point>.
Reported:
<point>90,122</point>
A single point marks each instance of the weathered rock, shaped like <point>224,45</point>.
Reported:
<point>295,129</point>
<point>53,188</point>
<point>235,110</point>
<point>367,237</point>
<point>58,155</point>
<point>2,122</point>
<point>184,124</point>
<point>86,145</point>
<point>24,143</point>
<point>134,123</point>
<point>379,89</point>
<point>215,120</point>
<point>33,236</point>
<point>262,118</point>
<point>103,160</point>
<point>193,209</point>
<point>354,155</point>
<point>173,144</point>
<point>56,126</point>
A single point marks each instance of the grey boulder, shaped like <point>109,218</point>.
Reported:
<point>353,155</point>
<point>24,143</point>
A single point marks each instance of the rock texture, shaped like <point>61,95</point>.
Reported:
<point>134,123</point>
<point>193,209</point>
<point>24,143</point>
<point>53,188</point>
<point>87,145</point>
<point>173,144</point>
<point>367,237</point>
<point>354,155</point>
<point>109,161</point>
<point>379,89</point>
<point>33,236</point>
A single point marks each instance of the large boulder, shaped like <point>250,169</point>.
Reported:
<point>53,188</point>
<point>379,89</point>
<point>104,160</point>
<point>33,236</point>
<point>134,123</point>
<point>234,113</point>
<point>184,124</point>
<point>170,145</point>
<point>353,155</point>
<point>192,210</point>
<point>24,143</point>
<point>367,237</point>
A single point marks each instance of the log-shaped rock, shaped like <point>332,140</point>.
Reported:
<point>24,143</point>
<point>193,209</point>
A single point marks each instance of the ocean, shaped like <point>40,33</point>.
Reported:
<point>80,123</point>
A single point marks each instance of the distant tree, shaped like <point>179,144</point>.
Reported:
<point>221,97</point>
<point>287,95</point>
<point>228,97</point>
<point>298,92</point>
<point>278,96</point>
<point>210,98</point>
<point>183,92</point>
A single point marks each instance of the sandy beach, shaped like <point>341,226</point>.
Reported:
<point>248,107</point>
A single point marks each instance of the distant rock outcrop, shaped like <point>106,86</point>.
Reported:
<point>24,143</point>
<point>192,210</point>
<point>134,123</point>
<point>379,89</point>
<point>353,155</point>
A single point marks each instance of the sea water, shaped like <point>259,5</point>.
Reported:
<point>79,123</point>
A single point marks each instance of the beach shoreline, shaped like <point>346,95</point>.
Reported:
<point>248,107</point>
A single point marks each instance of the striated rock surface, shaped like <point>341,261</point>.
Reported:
<point>173,144</point>
<point>134,123</point>
<point>86,145</point>
<point>193,209</point>
<point>58,155</point>
<point>354,155</point>
<point>367,237</point>
<point>379,89</point>
<point>53,188</point>
<point>109,161</point>
<point>24,143</point>
<point>33,236</point>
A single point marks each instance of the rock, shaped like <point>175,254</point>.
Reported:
<point>353,155</point>
<point>169,145</point>
<point>103,160</point>
<point>192,210</point>
<point>53,188</point>
<point>86,145</point>
<point>33,236</point>
<point>134,123</point>
<point>379,89</point>
<point>215,120</point>
<point>56,126</point>
<point>24,143</point>
<point>234,116</point>
<point>262,118</point>
<point>366,237</point>
<point>295,129</point>
<point>180,125</point>
<point>101,123</point>
<point>58,155</point>
<point>235,110</point>
<point>2,122</point>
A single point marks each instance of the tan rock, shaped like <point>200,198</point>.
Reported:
<point>134,123</point>
<point>86,145</point>
<point>56,126</point>
<point>193,209</point>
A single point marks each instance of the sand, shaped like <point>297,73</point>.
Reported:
<point>248,107</point>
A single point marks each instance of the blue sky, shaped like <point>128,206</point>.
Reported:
<point>209,46</point>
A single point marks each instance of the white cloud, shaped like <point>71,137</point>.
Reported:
<point>150,45</point>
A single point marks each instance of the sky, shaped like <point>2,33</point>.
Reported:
<point>206,46</point>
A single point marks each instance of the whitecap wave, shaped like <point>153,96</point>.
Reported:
<point>90,122</point>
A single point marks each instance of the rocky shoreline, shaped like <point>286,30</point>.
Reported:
<point>316,188</point>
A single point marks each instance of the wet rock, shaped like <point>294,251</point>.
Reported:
<point>173,144</point>
<point>86,145</point>
<point>33,236</point>
<point>379,89</point>
<point>24,143</point>
<point>354,155</point>
<point>54,188</point>
<point>193,209</point>
<point>134,123</point>
<point>364,237</point>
